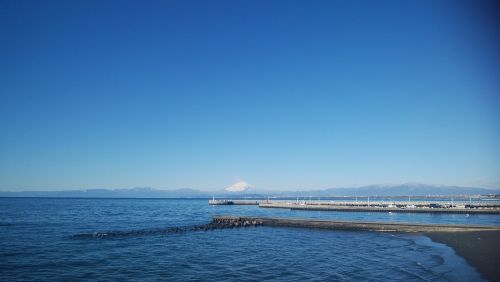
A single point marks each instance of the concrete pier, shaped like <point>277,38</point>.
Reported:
<point>375,207</point>
<point>238,221</point>
<point>233,202</point>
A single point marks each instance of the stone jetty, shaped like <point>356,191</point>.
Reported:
<point>223,222</point>
<point>219,222</point>
<point>215,202</point>
<point>236,221</point>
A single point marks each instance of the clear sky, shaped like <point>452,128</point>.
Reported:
<point>280,94</point>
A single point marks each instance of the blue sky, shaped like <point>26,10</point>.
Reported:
<point>280,94</point>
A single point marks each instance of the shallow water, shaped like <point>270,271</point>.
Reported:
<point>36,243</point>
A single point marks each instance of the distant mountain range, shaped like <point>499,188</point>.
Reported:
<point>112,193</point>
<point>414,189</point>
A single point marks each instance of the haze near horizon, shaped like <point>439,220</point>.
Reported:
<point>281,95</point>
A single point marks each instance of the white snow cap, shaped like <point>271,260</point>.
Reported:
<point>239,186</point>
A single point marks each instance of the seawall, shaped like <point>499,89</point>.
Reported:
<point>379,209</point>
<point>350,225</point>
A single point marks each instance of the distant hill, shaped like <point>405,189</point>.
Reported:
<point>115,193</point>
<point>414,189</point>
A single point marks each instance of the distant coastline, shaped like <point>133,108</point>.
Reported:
<point>403,190</point>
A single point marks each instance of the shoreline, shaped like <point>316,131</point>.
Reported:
<point>479,245</point>
<point>479,248</point>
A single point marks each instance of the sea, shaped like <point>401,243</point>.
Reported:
<point>39,242</point>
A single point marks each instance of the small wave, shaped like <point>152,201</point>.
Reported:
<point>413,274</point>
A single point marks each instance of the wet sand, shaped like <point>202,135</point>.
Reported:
<point>480,248</point>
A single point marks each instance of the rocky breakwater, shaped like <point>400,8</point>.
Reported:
<point>221,222</point>
<point>228,221</point>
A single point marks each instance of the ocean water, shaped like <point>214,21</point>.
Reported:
<point>37,243</point>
